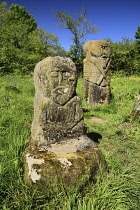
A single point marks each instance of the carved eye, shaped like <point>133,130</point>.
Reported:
<point>65,75</point>
<point>100,46</point>
<point>54,74</point>
<point>68,74</point>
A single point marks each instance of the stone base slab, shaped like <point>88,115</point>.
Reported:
<point>69,164</point>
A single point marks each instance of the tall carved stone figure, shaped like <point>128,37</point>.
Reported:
<point>58,112</point>
<point>96,72</point>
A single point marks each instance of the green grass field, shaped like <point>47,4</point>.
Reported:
<point>118,137</point>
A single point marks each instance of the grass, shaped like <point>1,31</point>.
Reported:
<point>118,138</point>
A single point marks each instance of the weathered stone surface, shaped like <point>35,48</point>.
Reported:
<point>59,153</point>
<point>96,72</point>
<point>69,164</point>
<point>58,113</point>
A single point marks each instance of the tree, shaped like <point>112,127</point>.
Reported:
<point>137,36</point>
<point>22,44</point>
<point>51,43</point>
<point>79,26</point>
<point>123,56</point>
<point>16,28</point>
<point>18,14</point>
<point>137,45</point>
<point>3,10</point>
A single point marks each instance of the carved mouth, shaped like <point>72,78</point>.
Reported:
<point>61,90</point>
<point>104,56</point>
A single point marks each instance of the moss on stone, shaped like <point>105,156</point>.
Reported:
<point>68,171</point>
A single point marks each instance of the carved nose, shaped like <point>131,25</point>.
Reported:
<point>60,79</point>
<point>72,78</point>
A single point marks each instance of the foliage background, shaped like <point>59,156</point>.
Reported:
<point>23,44</point>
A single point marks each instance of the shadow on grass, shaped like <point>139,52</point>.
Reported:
<point>94,136</point>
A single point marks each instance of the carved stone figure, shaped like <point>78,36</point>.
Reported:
<point>58,113</point>
<point>96,72</point>
<point>59,153</point>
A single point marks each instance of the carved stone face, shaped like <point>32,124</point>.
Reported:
<point>100,48</point>
<point>58,79</point>
<point>63,85</point>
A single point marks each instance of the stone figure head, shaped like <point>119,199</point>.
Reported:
<point>56,77</point>
<point>97,48</point>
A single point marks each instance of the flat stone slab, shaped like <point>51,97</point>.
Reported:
<point>70,145</point>
<point>70,164</point>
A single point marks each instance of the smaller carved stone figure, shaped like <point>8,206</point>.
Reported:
<point>96,72</point>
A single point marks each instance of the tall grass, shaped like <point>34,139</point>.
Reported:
<point>118,138</point>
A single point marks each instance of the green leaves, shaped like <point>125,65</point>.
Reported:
<point>123,56</point>
<point>137,34</point>
<point>18,14</point>
<point>16,27</point>
<point>3,10</point>
<point>22,44</point>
